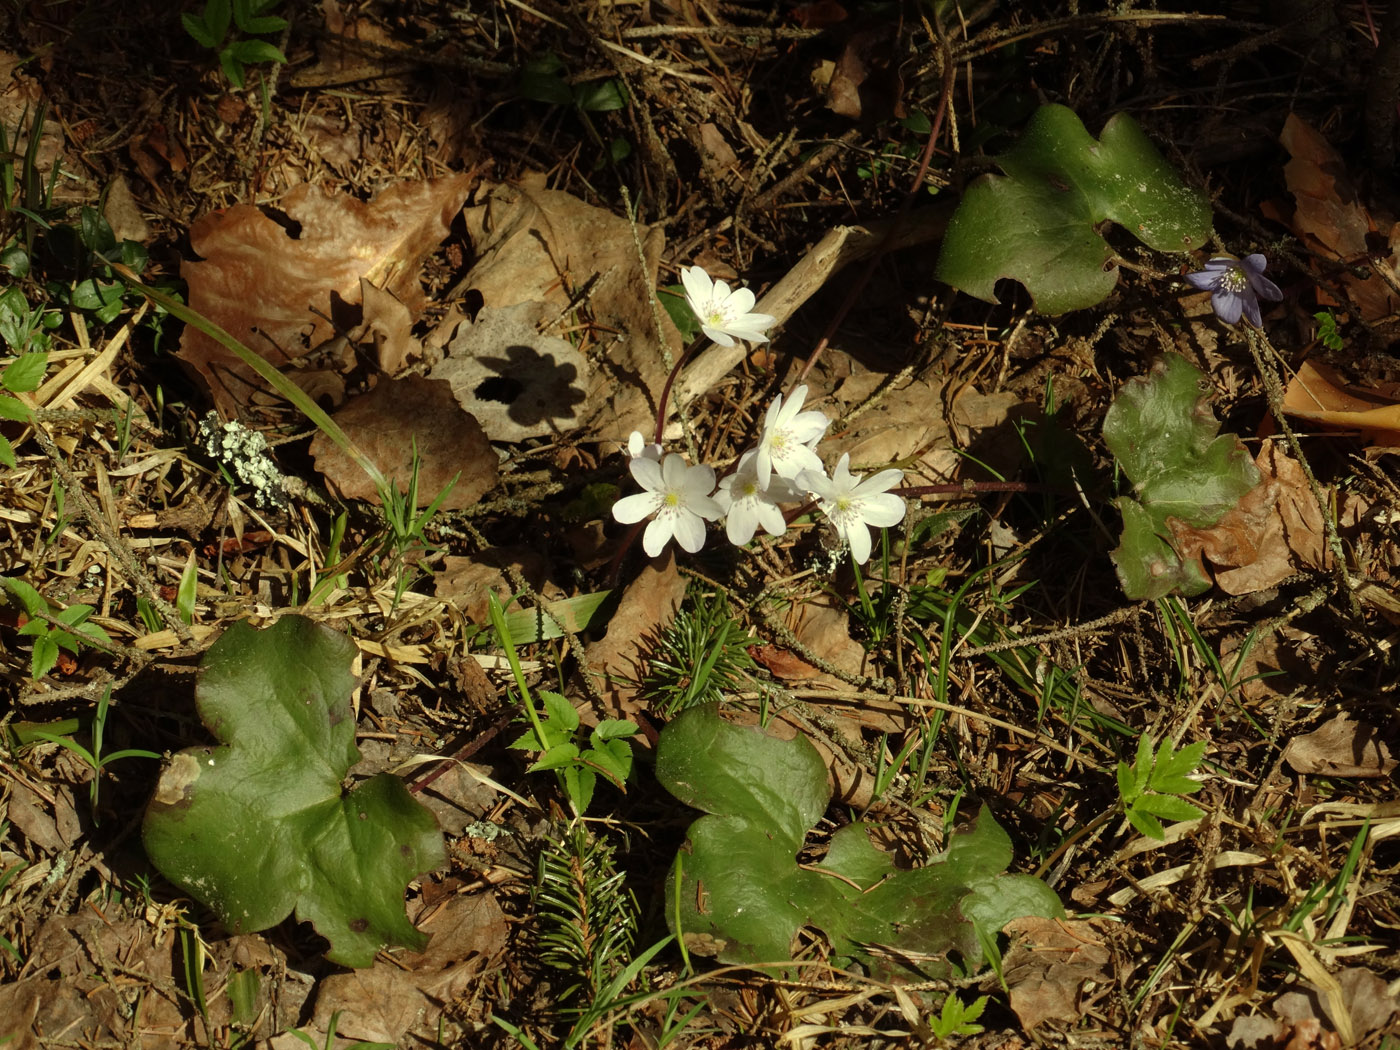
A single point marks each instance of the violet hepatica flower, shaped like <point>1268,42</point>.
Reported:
<point>724,315</point>
<point>852,505</point>
<point>1237,285</point>
<point>747,504</point>
<point>789,435</point>
<point>679,497</point>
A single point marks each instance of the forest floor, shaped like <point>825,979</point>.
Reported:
<point>460,230</point>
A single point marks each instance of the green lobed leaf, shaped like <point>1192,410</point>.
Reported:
<point>1161,430</point>
<point>1169,807</point>
<point>743,896</point>
<point>25,373</point>
<point>1038,223</point>
<point>260,825</point>
<point>7,452</point>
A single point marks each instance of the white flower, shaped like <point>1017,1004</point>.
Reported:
<point>637,447</point>
<point>678,494</point>
<point>724,315</point>
<point>852,506</point>
<point>789,435</point>
<point>747,505</point>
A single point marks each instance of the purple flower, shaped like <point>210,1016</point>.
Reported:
<point>1237,285</point>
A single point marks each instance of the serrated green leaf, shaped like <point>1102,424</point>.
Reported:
<point>560,711</point>
<point>600,96</point>
<point>13,409</point>
<point>260,825</point>
<point>45,655</point>
<point>201,33</point>
<point>526,741</point>
<point>556,756</point>
<point>1127,785</point>
<point>33,602</point>
<point>7,452</point>
<point>1146,824</point>
<point>25,373</point>
<point>1037,224</point>
<point>1184,472</point>
<point>1168,807</point>
<point>1179,763</point>
<point>251,52</point>
<point>614,728</point>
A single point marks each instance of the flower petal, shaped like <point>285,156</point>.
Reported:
<point>689,531</point>
<point>740,302</point>
<point>647,473</point>
<point>882,511</point>
<point>1206,280</point>
<point>858,536</point>
<point>740,524</point>
<point>697,285</point>
<point>631,509</point>
<point>656,537</point>
<point>718,336</point>
<point>1227,306</point>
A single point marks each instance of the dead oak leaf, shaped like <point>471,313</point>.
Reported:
<point>1342,747</point>
<point>1316,393</point>
<point>1048,966</point>
<point>1285,534</point>
<point>263,281</point>
<point>387,424</point>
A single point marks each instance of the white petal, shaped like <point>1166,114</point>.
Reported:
<point>697,286</point>
<point>647,472</point>
<point>740,302</point>
<point>771,518</point>
<point>808,428</point>
<point>794,460</point>
<point>740,524</point>
<point>631,509</point>
<point>699,480</point>
<point>689,531</point>
<point>817,483</point>
<point>705,507</point>
<point>718,336</point>
<point>655,538</point>
<point>858,536</point>
<point>881,482</point>
<point>882,510</point>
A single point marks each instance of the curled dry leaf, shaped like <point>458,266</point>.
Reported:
<point>1342,747</point>
<point>1048,967</point>
<point>263,283</point>
<point>1330,219</point>
<point>539,245</point>
<point>518,383</point>
<point>1317,394</point>
<point>385,424</point>
<point>1278,524</point>
<point>618,659</point>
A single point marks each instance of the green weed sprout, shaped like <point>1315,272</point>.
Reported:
<point>1152,786</point>
<point>95,758</point>
<point>21,376</point>
<point>553,735</point>
<point>957,1018</point>
<point>210,29</point>
<point>69,632</point>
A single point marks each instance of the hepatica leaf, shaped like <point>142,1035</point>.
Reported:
<point>743,896</point>
<point>1166,439</point>
<point>1039,223</point>
<point>261,825</point>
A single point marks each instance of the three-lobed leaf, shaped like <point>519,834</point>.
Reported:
<point>743,896</point>
<point>1166,440</point>
<point>1039,223</point>
<point>261,825</point>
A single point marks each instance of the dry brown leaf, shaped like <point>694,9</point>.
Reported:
<point>538,245</point>
<point>1286,534</point>
<point>468,582</point>
<point>647,606</point>
<point>385,424</point>
<point>387,1001</point>
<point>262,284</point>
<point>1276,664</point>
<point>901,422</point>
<point>1048,965</point>
<point>518,383</point>
<point>1316,393</point>
<point>387,325</point>
<point>1329,218</point>
<point>1342,747</point>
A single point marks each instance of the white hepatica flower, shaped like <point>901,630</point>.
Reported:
<point>747,504</point>
<point>637,447</point>
<point>724,315</point>
<point>789,435</point>
<point>852,505</point>
<point>678,494</point>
